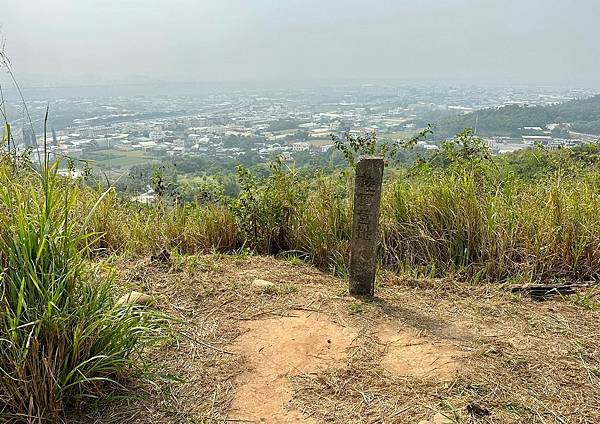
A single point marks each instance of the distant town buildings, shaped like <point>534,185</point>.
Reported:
<point>120,132</point>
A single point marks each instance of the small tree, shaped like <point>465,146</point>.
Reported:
<point>352,147</point>
<point>466,149</point>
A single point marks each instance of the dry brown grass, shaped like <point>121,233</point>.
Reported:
<point>524,361</point>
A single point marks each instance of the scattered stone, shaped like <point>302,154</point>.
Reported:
<point>136,298</point>
<point>163,257</point>
<point>261,284</point>
<point>477,410</point>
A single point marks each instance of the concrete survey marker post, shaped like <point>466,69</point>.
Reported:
<point>365,223</point>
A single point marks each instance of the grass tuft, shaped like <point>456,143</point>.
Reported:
<point>62,338</point>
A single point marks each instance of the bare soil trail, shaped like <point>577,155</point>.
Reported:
<point>260,340</point>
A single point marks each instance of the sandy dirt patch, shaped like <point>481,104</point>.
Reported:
<point>409,354</point>
<point>277,349</point>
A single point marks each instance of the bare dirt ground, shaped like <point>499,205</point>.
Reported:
<point>302,351</point>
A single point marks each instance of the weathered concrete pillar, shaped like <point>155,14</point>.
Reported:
<point>365,223</point>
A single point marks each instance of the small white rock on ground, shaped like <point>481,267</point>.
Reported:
<point>261,284</point>
<point>136,298</point>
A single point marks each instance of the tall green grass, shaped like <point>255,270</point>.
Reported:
<point>531,215</point>
<point>468,221</point>
<point>548,229</point>
<point>62,338</point>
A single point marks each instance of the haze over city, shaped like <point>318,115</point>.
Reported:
<point>532,42</point>
<point>213,84</point>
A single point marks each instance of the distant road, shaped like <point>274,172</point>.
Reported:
<point>589,137</point>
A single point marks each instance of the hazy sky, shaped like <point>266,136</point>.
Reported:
<point>501,41</point>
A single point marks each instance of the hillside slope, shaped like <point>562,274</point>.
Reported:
<point>583,115</point>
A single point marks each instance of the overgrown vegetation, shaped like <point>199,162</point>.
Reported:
<point>62,337</point>
<point>459,212</point>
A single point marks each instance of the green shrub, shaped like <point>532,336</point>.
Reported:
<point>265,207</point>
<point>462,214</point>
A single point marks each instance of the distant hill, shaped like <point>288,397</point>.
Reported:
<point>583,115</point>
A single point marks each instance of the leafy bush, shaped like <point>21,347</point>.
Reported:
<point>352,147</point>
<point>264,208</point>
